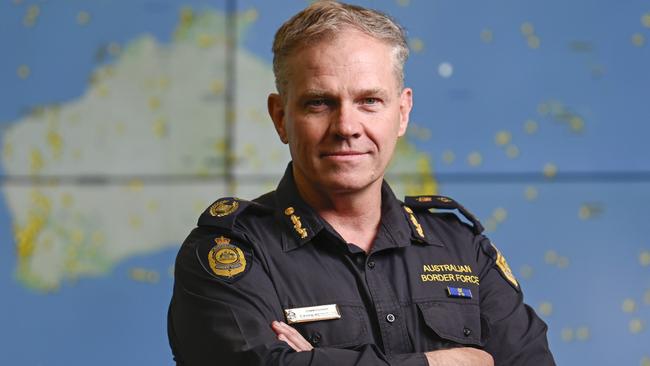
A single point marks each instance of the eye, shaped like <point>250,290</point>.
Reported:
<point>370,101</point>
<point>316,102</point>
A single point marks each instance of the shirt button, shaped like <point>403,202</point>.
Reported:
<point>315,339</point>
<point>371,264</point>
<point>467,332</point>
<point>390,318</point>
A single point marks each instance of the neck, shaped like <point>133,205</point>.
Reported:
<point>355,215</point>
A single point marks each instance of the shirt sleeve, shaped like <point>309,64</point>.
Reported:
<point>515,334</point>
<point>214,321</point>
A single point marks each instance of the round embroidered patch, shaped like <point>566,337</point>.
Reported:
<point>225,259</point>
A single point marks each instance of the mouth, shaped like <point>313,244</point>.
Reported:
<point>343,155</point>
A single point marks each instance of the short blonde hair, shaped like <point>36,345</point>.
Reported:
<point>325,19</point>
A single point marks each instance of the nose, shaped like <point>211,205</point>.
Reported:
<point>346,122</point>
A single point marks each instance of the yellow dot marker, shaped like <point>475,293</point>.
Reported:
<point>135,185</point>
<point>577,124</point>
<point>526,271</point>
<point>645,20</point>
<point>206,40</point>
<point>487,36</point>
<point>23,71</point>
<point>638,39</point>
<point>567,334</point>
<point>551,257</point>
<point>512,151</point>
<point>543,109</point>
<point>32,14</point>
<point>534,42</point>
<point>416,44</point>
<point>448,157</point>
<point>500,214</point>
<point>83,18</point>
<point>475,159</point>
<point>644,258</point>
<point>135,222</point>
<point>153,205</point>
<point>503,138</point>
<point>217,87</point>
<point>251,15</point>
<point>527,29</point>
<point>628,306</point>
<point>36,160</point>
<point>646,297</point>
<point>154,103</point>
<point>546,308</point>
<point>549,170</point>
<point>583,333</point>
<point>531,193</point>
<point>636,326</point>
<point>403,2</point>
<point>585,212</point>
<point>159,127</point>
<point>563,262</point>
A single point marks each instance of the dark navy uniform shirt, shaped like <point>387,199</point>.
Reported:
<point>430,282</point>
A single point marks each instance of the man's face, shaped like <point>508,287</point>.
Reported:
<point>342,113</point>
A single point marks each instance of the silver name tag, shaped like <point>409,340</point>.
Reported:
<point>312,313</point>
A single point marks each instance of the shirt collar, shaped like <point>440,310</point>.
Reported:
<point>302,223</point>
<point>400,223</point>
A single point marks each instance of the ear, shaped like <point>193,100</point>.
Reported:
<point>275,106</point>
<point>405,106</point>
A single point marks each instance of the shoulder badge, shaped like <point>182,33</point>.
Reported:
<point>225,259</point>
<point>445,203</point>
<point>504,268</point>
<point>224,207</point>
<point>223,212</point>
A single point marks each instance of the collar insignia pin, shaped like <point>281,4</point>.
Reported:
<point>297,224</point>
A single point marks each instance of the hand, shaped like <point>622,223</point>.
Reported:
<point>291,336</point>
<point>463,356</point>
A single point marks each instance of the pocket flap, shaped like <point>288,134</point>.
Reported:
<point>460,323</point>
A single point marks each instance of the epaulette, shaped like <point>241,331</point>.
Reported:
<point>444,203</point>
<point>224,211</point>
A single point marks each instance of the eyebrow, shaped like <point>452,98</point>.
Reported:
<point>318,93</point>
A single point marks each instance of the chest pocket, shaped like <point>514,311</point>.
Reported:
<point>348,331</point>
<point>453,323</point>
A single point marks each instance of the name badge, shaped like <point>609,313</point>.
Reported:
<point>312,313</point>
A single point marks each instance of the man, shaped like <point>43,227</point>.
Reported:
<point>331,269</point>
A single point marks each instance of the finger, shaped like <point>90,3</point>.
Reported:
<point>297,338</point>
<point>284,339</point>
<point>294,336</point>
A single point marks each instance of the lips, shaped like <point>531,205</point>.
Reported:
<point>342,154</point>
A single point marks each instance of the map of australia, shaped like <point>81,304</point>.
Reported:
<point>125,169</point>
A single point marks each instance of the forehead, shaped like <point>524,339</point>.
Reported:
<point>350,56</point>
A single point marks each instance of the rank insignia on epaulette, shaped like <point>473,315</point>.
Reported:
<point>224,207</point>
<point>459,292</point>
<point>225,259</point>
<point>504,268</point>
<point>445,203</point>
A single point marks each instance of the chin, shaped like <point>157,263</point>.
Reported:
<point>349,182</point>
